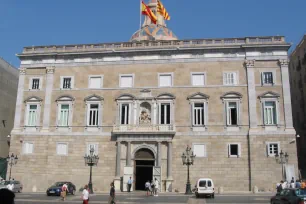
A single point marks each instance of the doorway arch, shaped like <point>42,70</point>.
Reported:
<point>144,160</point>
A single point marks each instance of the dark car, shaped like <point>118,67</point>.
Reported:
<point>290,196</point>
<point>56,188</point>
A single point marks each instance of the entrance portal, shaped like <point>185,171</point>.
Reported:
<point>144,162</point>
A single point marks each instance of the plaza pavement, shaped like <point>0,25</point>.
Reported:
<point>140,197</point>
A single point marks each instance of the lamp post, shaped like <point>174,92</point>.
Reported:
<point>11,161</point>
<point>91,160</point>
<point>188,159</point>
<point>282,158</point>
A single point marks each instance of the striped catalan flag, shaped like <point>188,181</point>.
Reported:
<point>148,12</point>
<point>162,10</point>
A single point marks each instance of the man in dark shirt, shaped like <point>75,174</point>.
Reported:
<point>112,194</point>
<point>6,196</point>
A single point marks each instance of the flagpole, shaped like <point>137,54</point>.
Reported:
<point>140,14</point>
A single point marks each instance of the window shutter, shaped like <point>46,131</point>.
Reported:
<point>126,81</point>
<point>95,82</point>
<point>235,78</point>
<point>165,80</point>
<point>228,150</point>
<point>198,79</point>
<point>267,150</point>
<point>224,78</point>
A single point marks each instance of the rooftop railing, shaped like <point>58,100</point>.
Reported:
<point>155,44</point>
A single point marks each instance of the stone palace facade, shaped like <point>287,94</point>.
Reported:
<point>140,103</point>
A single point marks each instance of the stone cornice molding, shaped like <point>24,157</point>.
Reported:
<point>249,63</point>
<point>33,99</point>
<point>22,71</point>
<point>198,95</point>
<point>93,97</point>
<point>50,70</point>
<point>283,62</point>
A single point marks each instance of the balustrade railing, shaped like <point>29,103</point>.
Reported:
<point>143,128</point>
<point>146,44</point>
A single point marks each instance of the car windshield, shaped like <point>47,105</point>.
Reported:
<point>7,182</point>
<point>59,184</point>
<point>300,192</point>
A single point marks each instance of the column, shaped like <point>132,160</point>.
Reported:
<point>154,113</point>
<point>286,93</point>
<point>251,93</point>
<point>48,96</point>
<point>118,160</point>
<point>158,162</point>
<point>128,154</point>
<point>169,161</point>
<point>19,100</point>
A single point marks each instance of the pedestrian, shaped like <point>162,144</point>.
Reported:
<point>292,183</point>
<point>284,185</point>
<point>85,195</point>
<point>130,181</point>
<point>112,194</point>
<point>152,187</point>
<point>156,183</point>
<point>148,187</point>
<point>64,191</point>
<point>279,187</point>
<point>10,186</point>
<point>298,184</point>
<point>303,184</point>
<point>6,196</point>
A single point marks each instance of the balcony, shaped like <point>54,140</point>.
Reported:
<point>144,129</point>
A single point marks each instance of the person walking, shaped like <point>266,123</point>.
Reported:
<point>292,183</point>
<point>85,195</point>
<point>156,183</point>
<point>129,183</point>
<point>64,191</point>
<point>6,196</point>
<point>148,187</point>
<point>112,194</point>
<point>297,184</point>
<point>152,187</point>
<point>279,187</point>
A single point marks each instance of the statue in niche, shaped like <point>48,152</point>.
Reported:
<point>145,117</point>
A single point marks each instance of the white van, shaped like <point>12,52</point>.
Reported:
<point>205,186</point>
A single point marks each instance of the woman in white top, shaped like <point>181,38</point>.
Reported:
<point>85,195</point>
<point>156,187</point>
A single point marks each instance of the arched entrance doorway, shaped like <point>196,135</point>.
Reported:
<point>144,162</point>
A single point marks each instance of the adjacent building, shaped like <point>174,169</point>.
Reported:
<point>138,104</point>
<point>8,93</point>
<point>298,90</point>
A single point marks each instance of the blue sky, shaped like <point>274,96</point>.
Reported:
<point>49,22</point>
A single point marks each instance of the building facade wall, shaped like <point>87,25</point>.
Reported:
<point>253,167</point>
<point>8,93</point>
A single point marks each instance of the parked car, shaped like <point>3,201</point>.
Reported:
<point>290,195</point>
<point>205,186</point>
<point>56,188</point>
<point>17,186</point>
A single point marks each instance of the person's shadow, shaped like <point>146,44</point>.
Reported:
<point>6,196</point>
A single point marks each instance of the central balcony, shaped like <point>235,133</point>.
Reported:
<point>144,129</point>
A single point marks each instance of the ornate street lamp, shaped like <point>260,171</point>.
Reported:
<point>188,159</point>
<point>91,160</point>
<point>282,159</point>
<point>11,161</point>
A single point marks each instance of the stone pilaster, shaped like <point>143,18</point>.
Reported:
<point>169,179</point>
<point>251,93</point>
<point>48,96</point>
<point>117,181</point>
<point>128,154</point>
<point>286,94</point>
<point>19,100</point>
<point>158,161</point>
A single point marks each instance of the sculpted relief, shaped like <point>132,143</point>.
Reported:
<point>145,114</point>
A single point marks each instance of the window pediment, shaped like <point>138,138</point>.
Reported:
<point>269,94</point>
<point>33,99</point>
<point>126,97</point>
<point>231,94</point>
<point>165,96</point>
<point>94,97</point>
<point>198,95</point>
<point>65,98</point>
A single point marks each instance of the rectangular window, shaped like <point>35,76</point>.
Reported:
<point>230,78</point>
<point>67,81</point>
<point>267,78</point>
<point>198,79</point>
<point>165,80</point>
<point>93,115</point>
<point>62,148</point>
<point>233,150</point>
<point>35,84</point>
<point>126,81</point>
<point>165,114</point>
<point>198,114</point>
<point>28,148</point>
<point>270,113</point>
<point>125,114</point>
<point>95,82</point>
<point>32,115</point>
<point>63,115</point>
<point>232,113</point>
<point>199,150</point>
<point>273,149</point>
<point>95,147</point>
